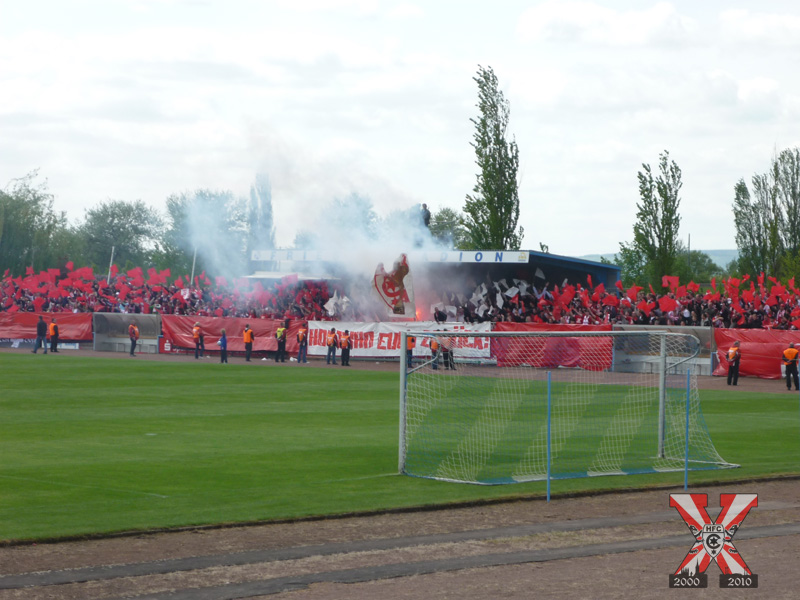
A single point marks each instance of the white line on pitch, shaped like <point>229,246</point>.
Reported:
<point>79,485</point>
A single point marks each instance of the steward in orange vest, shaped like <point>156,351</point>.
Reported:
<point>434,354</point>
<point>53,336</point>
<point>247,337</point>
<point>734,356</point>
<point>411,342</point>
<point>199,346</point>
<point>344,342</point>
<point>302,342</point>
<point>790,361</point>
<point>333,343</point>
<point>133,334</point>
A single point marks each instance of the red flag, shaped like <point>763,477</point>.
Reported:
<point>644,307</point>
<point>619,285</point>
<point>693,286</point>
<point>70,265</point>
<point>670,281</point>
<point>611,301</point>
<point>633,291</point>
<point>714,283</point>
<point>667,304</point>
<point>796,323</point>
<point>178,282</point>
<point>681,291</point>
<point>651,288</point>
<point>589,279</point>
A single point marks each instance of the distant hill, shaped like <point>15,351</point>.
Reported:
<point>720,257</point>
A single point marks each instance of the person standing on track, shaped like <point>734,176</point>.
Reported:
<point>344,343</point>
<point>133,334</point>
<point>199,345</point>
<point>248,342</point>
<point>302,344</point>
<point>41,335</point>
<point>734,357</point>
<point>333,343</point>
<point>790,362</point>
<point>53,336</point>
<point>280,335</point>
<point>223,347</point>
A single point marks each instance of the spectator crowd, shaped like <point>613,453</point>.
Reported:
<point>731,303</point>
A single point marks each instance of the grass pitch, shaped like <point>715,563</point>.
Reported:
<point>98,445</point>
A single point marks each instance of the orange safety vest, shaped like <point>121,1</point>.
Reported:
<point>434,345</point>
<point>52,329</point>
<point>733,354</point>
<point>301,335</point>
<point>195,332</point>
<point>790,356</point>
<point>133,332</point>
<point>331,339</point>
<point>411,341</point>
<point>344,341</point>
<point>248,336</point>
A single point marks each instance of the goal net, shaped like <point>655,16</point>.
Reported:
<point>610,403</point>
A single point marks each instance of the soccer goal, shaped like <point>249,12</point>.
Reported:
<point>551,405</point>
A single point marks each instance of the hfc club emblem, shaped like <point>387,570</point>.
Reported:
<point>713,540</point>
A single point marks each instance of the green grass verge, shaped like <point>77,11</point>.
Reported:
<point>99,445</point>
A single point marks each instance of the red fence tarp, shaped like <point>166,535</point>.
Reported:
<point>590,353</point>
<point>177,331</point>
<point>72,327</point>
<point>761,350</point>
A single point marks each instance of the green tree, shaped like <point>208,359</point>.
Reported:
<point>492,210</point>
<point>261,225</point>
<point>447,229</point>
<point>768,220</point>
<point>632,264</point>
<point>655,246</point>
<point>31,232</point>
<point>696,266</point>
<point>211,223</point>
<point>133,229</point>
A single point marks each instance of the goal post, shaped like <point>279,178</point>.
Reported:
<point>571,404</point>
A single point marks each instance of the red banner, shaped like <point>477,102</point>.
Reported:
<point>590,353</point>
<point>177,331</point>
<point>761,350</point>
<point>72,327</point>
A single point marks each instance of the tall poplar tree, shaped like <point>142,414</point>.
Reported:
<point>655,233</point>
<point>491,212</point>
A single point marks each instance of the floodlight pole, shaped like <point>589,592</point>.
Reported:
<point>110,264</point>
<point>194,260</point>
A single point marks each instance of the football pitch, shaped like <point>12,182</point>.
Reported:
<point>98,445</point>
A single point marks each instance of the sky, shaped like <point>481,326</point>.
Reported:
<point>140,99</point>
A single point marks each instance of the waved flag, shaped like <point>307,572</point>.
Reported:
<point>395,288</point>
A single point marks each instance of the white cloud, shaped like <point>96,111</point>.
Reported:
<point>742,25</point>
<point>592,23</point>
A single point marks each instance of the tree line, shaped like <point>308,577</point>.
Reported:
<point>220,230</point>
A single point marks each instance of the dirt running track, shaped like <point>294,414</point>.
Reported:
<point>621,545</point>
